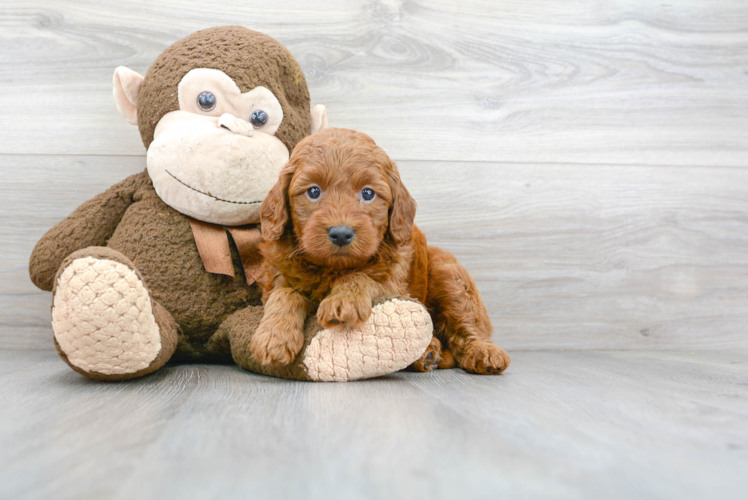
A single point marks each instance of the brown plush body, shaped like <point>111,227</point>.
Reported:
<point>130,219</point>
<point>202,316</point>
<point>339,233</point>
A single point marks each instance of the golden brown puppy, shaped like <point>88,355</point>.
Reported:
<point>338,230</point>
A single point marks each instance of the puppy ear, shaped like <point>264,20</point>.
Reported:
<point>274,210</point>
<point>403,209</point>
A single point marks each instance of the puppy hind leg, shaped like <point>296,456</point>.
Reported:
<point>460,317</point>
<point>430,359</point>
<point>447,361</point>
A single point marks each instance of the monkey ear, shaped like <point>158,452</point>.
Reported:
<point>126,85</point>
<point>403,209</point>
<point>274,210</point>
<point>319,118</point>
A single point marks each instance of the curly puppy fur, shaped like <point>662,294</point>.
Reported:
<point>324,186</point>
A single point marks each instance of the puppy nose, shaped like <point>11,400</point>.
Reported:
<point>341,235</point>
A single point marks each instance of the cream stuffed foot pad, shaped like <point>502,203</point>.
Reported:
<point>395,336</point>
<point>103,318</point>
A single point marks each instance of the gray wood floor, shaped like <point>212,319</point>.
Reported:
<point>556,425</point>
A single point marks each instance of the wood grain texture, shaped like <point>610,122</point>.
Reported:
<point>615,425</point>
<point>566,256</point>
<point>589,82</point>
<point>584,160</point>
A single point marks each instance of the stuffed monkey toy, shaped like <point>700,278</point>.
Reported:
<point>162,266</point>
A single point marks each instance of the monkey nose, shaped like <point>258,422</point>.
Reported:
<point>236,125</point>
<point>341,235</point>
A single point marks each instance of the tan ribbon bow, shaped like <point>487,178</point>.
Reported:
<point>213,245</point>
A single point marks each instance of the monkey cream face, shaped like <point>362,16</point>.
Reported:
<point>217,157</point>
<point>218,111</point>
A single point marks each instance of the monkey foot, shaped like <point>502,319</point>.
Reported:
<point>103,319</point>
<point>396,335</point>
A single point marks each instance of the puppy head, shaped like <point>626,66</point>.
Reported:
<point>343,196</point>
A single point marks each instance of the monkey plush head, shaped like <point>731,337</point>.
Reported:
<point>219,113</point>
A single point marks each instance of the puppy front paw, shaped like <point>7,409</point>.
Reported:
<point>343,310</point>
<point>276,342</point>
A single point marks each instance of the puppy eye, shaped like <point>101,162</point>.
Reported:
<point>258,118</point>
<point>313,193</point>
<point>206,101</point>
<point>368,194</point>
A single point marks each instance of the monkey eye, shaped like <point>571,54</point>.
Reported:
<point>258,118</point>
<point>313,193</point>
<point>207,101</point>
<point>368,194</point>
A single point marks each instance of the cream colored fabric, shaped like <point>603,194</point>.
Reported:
<point>102,317</point>
<point>396,335</point>
<point>229,99</point>
<point>210,173</point>
<point>126,87</point>
<point>215,165</point>
<point>236,125</point>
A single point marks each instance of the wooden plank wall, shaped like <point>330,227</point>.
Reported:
<point>586,160</point>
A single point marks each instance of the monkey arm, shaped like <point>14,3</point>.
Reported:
<point>91,224</point>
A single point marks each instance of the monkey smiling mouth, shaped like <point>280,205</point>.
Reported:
<point>210,195</point>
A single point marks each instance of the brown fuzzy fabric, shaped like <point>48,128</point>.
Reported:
<point>239,329</point>
<point>209,317</point>
<point>130,218</point>
<point>159,241</point>
<point>252,59</point>
<point>91,224</point>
